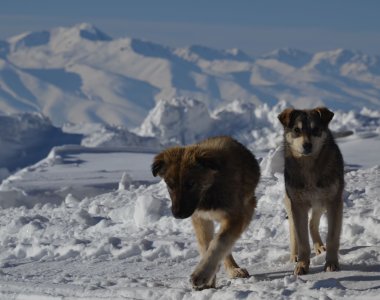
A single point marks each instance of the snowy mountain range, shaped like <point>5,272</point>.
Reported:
<point>80,74</point>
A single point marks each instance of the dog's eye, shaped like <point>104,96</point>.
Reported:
<point>297,130</point>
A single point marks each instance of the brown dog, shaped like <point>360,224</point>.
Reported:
<point>313,180</point>
<point>214,180</point>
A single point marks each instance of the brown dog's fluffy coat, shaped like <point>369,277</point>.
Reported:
<point>214,180</point>
<point>313,181</point>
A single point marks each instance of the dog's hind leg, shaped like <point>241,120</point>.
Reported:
<point>218,249</point>
<point>316,214</point>
<point>292,231</point>
<point>334,220</point>
<point>233,269</point>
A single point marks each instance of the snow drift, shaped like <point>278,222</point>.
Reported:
<point>185,121</point>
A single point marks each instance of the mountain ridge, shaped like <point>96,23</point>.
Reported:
<point>81,74</point>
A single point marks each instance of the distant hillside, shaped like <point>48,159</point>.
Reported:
<point>80,74</point>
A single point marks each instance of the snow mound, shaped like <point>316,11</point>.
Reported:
<point>178,120</point>
<point>147,210</point>
<point>273,162</point>
<point>364,122</point>
<point>186,121</point>
<point>256,126</point>
<point>117,136</point>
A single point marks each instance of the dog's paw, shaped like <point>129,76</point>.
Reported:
<point>331,267</point>
<point>201,281</point>
<point>302,268</point>
<point>319,249</point>
<point>238,273</point>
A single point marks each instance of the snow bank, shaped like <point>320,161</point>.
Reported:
<point>363,123</point>
<point>116,136</point>
<point>87,227</point>
<point>177,120</point>
<point>147,210</point>
<point>273,162</point>
<point>185,121</point>
<point>96,135</point>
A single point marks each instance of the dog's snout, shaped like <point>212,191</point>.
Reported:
<point>183,210</point>
<point>176,210</point>
<point>307,147</point>
<point>180,214</point>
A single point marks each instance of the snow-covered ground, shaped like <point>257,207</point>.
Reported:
<point>92,223</point>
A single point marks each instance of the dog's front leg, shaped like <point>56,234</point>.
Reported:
<point>218,249</point>
<point>204,231</point>
<point>316,214</point>
<point>292,231</point>
<point>334,220</point>
<point>300,218</point>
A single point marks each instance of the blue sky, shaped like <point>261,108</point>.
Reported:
<point>254,26</point>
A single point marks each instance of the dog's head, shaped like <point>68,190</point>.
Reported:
<point>305,131</point>
<point>188,172</point>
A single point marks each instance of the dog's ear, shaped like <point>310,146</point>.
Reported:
<point>208,160</point>
<point>286,116</point>
<point>163,160</point>
<point>158,164</point>
<point>325,114</point>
